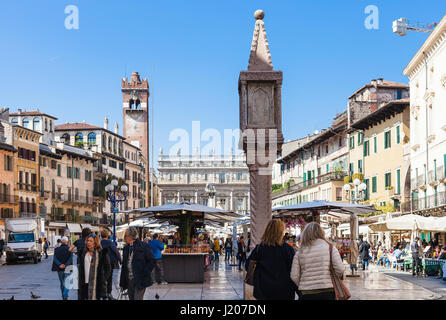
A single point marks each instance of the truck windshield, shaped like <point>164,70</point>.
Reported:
<point>20,237</point>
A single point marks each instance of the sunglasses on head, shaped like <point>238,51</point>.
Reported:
<point>92,235</point>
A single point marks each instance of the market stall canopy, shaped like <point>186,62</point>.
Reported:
<point>411,222</point>
<point>319,205</point>
<point>175,209</point>
<point>74,228</point>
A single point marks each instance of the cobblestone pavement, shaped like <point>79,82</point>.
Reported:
<point>222,282</point>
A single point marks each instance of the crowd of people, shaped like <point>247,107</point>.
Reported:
<point>286,266</point>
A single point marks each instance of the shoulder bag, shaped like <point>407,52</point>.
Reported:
<point>249,279</point>
<point>341,291</point>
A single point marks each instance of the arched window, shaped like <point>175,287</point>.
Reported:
<point>2,130</point>
<point>26,123</point>
<point>14,121</point>
<point>36,124</point>
<point>33,206</point>
<point>91,139</point>
<point>78,140</point>
<point>51,125</point>
<point>104,141</point>
<point>27,205</point>
<point>46,125</point>
<point>76,194</point>
<point>21,205</point>
<point>115,146</point>
<point>65,138</point>
<point>109,143</point>
<point>120,148</point>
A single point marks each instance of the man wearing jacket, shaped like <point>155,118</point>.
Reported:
<point>364,252</point>
<point>61,259</point>
<point>115,259</point>
<point>137,265</point>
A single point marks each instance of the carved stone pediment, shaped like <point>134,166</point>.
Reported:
<point>415,110</point>
<point>443,81</point>
<point>429,97</point>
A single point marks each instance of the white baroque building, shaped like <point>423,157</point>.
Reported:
<point>427,74</point>
<point>184,178</point>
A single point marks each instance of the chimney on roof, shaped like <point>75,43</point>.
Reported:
<point>83,121</point>
<point>106,123</point>
<point>380,80</point>
<point>19,111</point>
<point>116,128</point>
<point>374,82</point>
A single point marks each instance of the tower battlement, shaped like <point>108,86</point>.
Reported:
<point>135,82</point>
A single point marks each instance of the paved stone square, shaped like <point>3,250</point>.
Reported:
<point>222,282</point>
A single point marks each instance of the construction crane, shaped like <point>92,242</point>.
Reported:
<point>401,26</point>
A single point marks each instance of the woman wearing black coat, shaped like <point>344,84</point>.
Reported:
<point>94,270</point>
<point>274,260</point>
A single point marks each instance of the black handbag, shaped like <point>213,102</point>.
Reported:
<point>252,265</point>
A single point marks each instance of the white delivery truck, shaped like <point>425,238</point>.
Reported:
<point>23,241</point>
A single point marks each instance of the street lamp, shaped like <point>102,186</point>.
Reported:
<point>115,198</point>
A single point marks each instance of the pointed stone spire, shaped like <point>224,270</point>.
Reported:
<point>260,57</point>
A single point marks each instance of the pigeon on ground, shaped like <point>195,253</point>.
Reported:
<point>12,298</point>
<point>33,296</point>
<point>157,296</point>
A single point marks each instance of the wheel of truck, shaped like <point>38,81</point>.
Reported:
<point>35,260</point>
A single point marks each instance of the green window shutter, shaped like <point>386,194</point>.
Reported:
<point>435,169</point>
<point>305,176</point>
<point>398,187</point>
<point>398,134</point>
<point>327,167</point>
<point>366,181</point>
<point>390,139</point>
<point>385,140</point>
<point>351,168</point>
<point>364,151</point>
<point>444,160</point>
<point>375,144</point>
<point>373,184</point>
<point>360,166</point>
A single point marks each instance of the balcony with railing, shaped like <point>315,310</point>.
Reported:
<point>7,198</point>
<point>26,187</point>
<point>28,215</point>
<point>418,182</point>
<point>54,217</point>
<point>73,199</point>
<point>425,203</point>
<point>300,186</point>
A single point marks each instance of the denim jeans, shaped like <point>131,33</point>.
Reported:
<point>228,253</point>
<point>158,271</point>
<point>365,264</point>
<point>216,255</point>
<point>63,290</point>
<point>385,261</point>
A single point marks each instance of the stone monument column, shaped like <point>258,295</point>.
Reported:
<point>261,126</point>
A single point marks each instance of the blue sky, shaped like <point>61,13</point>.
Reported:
<point>197,49</point>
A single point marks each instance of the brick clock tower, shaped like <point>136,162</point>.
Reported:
<point>135,105</point>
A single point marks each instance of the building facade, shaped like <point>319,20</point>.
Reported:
<point>8,199</point>
<point>36,121</point>
<point>427,74</point>
<point>26,171</point>
<point>365,113</point>
<point>184,178</point>
<point>315,169</point>
<point>107,148</point>
<point>379,145</point>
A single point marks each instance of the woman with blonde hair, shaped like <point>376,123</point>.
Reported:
<point>311,264</point>
<point>273,265</point>
<point>94,270</point>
